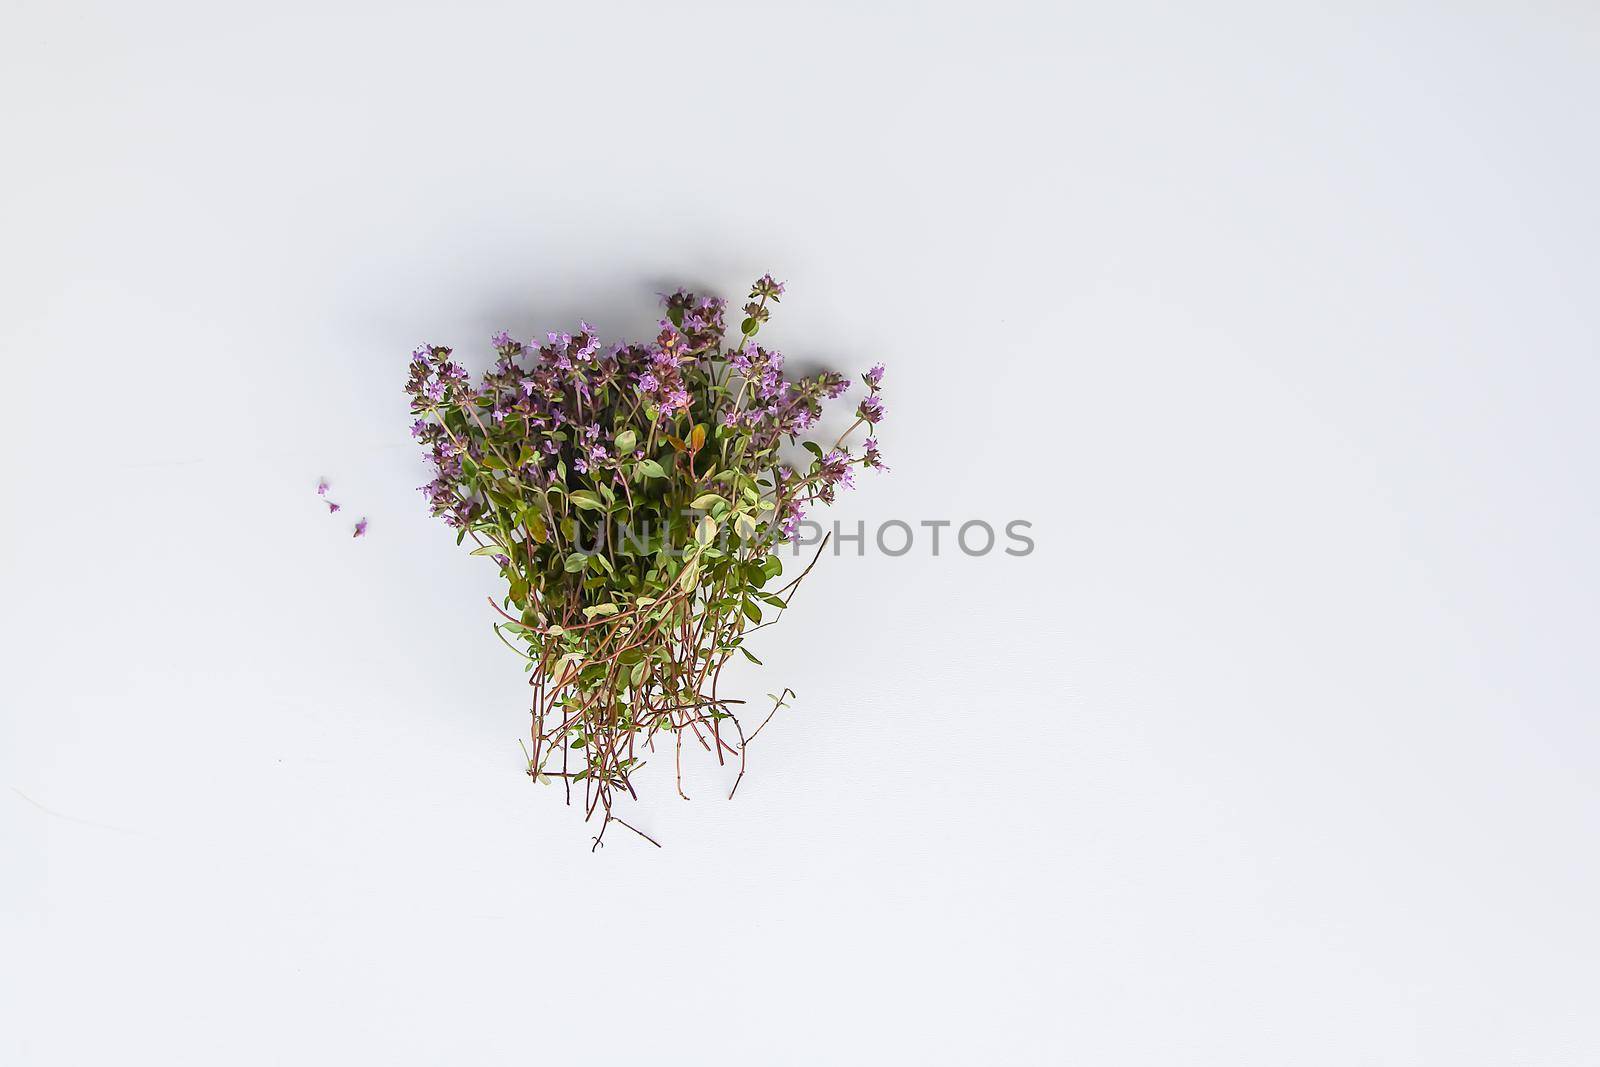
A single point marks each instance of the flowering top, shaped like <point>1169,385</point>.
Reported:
<point>573,415</point>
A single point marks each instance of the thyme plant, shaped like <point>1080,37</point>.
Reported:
<point>634,498</point>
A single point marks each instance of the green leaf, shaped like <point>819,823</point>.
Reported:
<point>575,563</point>
<point>704,501</point>
<point>626,440</point>
<point>751,658</point>
<point>752,612</point>
<point>600,609</point>
<point>649,468</point>
<point>583,498</point>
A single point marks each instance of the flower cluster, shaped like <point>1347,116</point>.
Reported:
<point>633,496</point>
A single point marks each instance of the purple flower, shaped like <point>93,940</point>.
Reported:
<point>871,409</point>
<point>647,382</point>
<point>332,507</point>
<point>361,529</point>
<point>527,386</point>
<point>593,345</point>
<point>322,487</point>
<point>836,469</point>
<point>873,458</point>
<point>874,376</point>
<point>416,431</point>
<point>502,340</point>
<point>792,517</point>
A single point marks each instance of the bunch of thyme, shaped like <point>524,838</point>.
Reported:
<point>634,498</point>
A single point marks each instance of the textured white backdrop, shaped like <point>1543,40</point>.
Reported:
<point>1277,320</point>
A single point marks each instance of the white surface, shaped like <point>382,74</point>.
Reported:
<point>1278,321</point>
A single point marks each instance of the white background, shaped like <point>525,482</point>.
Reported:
<point>1278,321</point>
